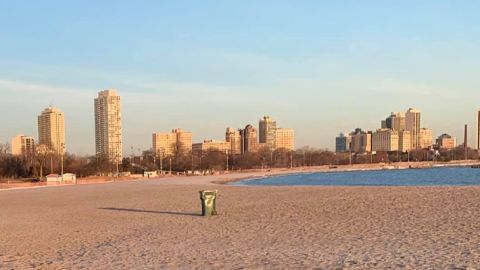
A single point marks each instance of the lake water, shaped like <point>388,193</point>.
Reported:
<point>442,176</point>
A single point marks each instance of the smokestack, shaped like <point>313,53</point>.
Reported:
<point>465,146</point>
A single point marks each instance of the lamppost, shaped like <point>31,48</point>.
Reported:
<point>160,156</point>
<point>291,159</point>
<point>117,165</point>
<point>61,157</point>
<point>226,151</point>
<point>98,168</point>
<point>192,163</point>
<point>51,160</point>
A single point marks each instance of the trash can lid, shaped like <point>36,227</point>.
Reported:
<point>204,193</point>
<point>209,191</point>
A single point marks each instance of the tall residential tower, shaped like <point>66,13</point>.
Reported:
<point>267,128</point>
<point>51,130</point>
<point>235,139</point>
<point>412,123</point>
<point>108,125</point>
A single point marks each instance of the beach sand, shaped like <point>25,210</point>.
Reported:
<point>155,224</point>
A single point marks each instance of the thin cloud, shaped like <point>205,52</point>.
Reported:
<point>18,87</point>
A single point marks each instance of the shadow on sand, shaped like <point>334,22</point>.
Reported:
<point>151,211</point>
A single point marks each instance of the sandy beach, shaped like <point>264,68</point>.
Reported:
<point>155,224</point>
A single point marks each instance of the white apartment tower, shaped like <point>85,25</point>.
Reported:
<point>108,125</point>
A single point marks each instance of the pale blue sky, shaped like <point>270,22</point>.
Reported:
<point>320,67</point>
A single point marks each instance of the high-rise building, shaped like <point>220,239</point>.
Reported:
<point>211,145</point>
<point>164,143</point>
<point>177,142</point>
<point>396,121</point>
<point>284,138</point>
<point>385,140</point>
<point>23,145</point>
<point>184,141</point>
<point>361,141</point>
<point>404,141</point>
<point>51,130</point>
<point>235,139</point>
<point>425,138</point>
<point>249,139</point>
<point>478,130</point>
<point>447,142</point>
<point>267,131</point>
<point>412,124</point>
<point>383,124</point>
<point>108,125</point>
<point>343,143</point>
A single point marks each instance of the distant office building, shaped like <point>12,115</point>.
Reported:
<point>385,140</point>
<point>343,143</point>
<point>383,124</point>
<point>447,142</point>
<point>211,145</point>
<point>164,143</point>
<point>404,141</point>
<point>412,124</point>
<point>284,139</point>
<point>425,138</point>
<point>22,145</point>
<point>184,141</point>
<point>235,139</point>
<point>267,131</point>
<point>51,129</point>
<point>249,139</point>
<point>108,125</point>
<point>172,143</point>
<point>361,141</point>
<point>396,121</point>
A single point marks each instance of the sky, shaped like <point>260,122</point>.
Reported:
<point>320,67</point>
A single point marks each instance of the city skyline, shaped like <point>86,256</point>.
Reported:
<point>127,149</point>
<point>318,74</point>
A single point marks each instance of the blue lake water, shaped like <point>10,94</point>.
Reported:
<point>442,176</point>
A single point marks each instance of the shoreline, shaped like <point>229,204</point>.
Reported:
<point>351,168</point>
<point>236,176</point>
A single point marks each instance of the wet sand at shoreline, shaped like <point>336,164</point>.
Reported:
<point>155,224</point>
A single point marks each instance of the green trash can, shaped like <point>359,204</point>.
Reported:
<point>209,201</point>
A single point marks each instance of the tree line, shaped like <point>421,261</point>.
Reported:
<point>43,161</point>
